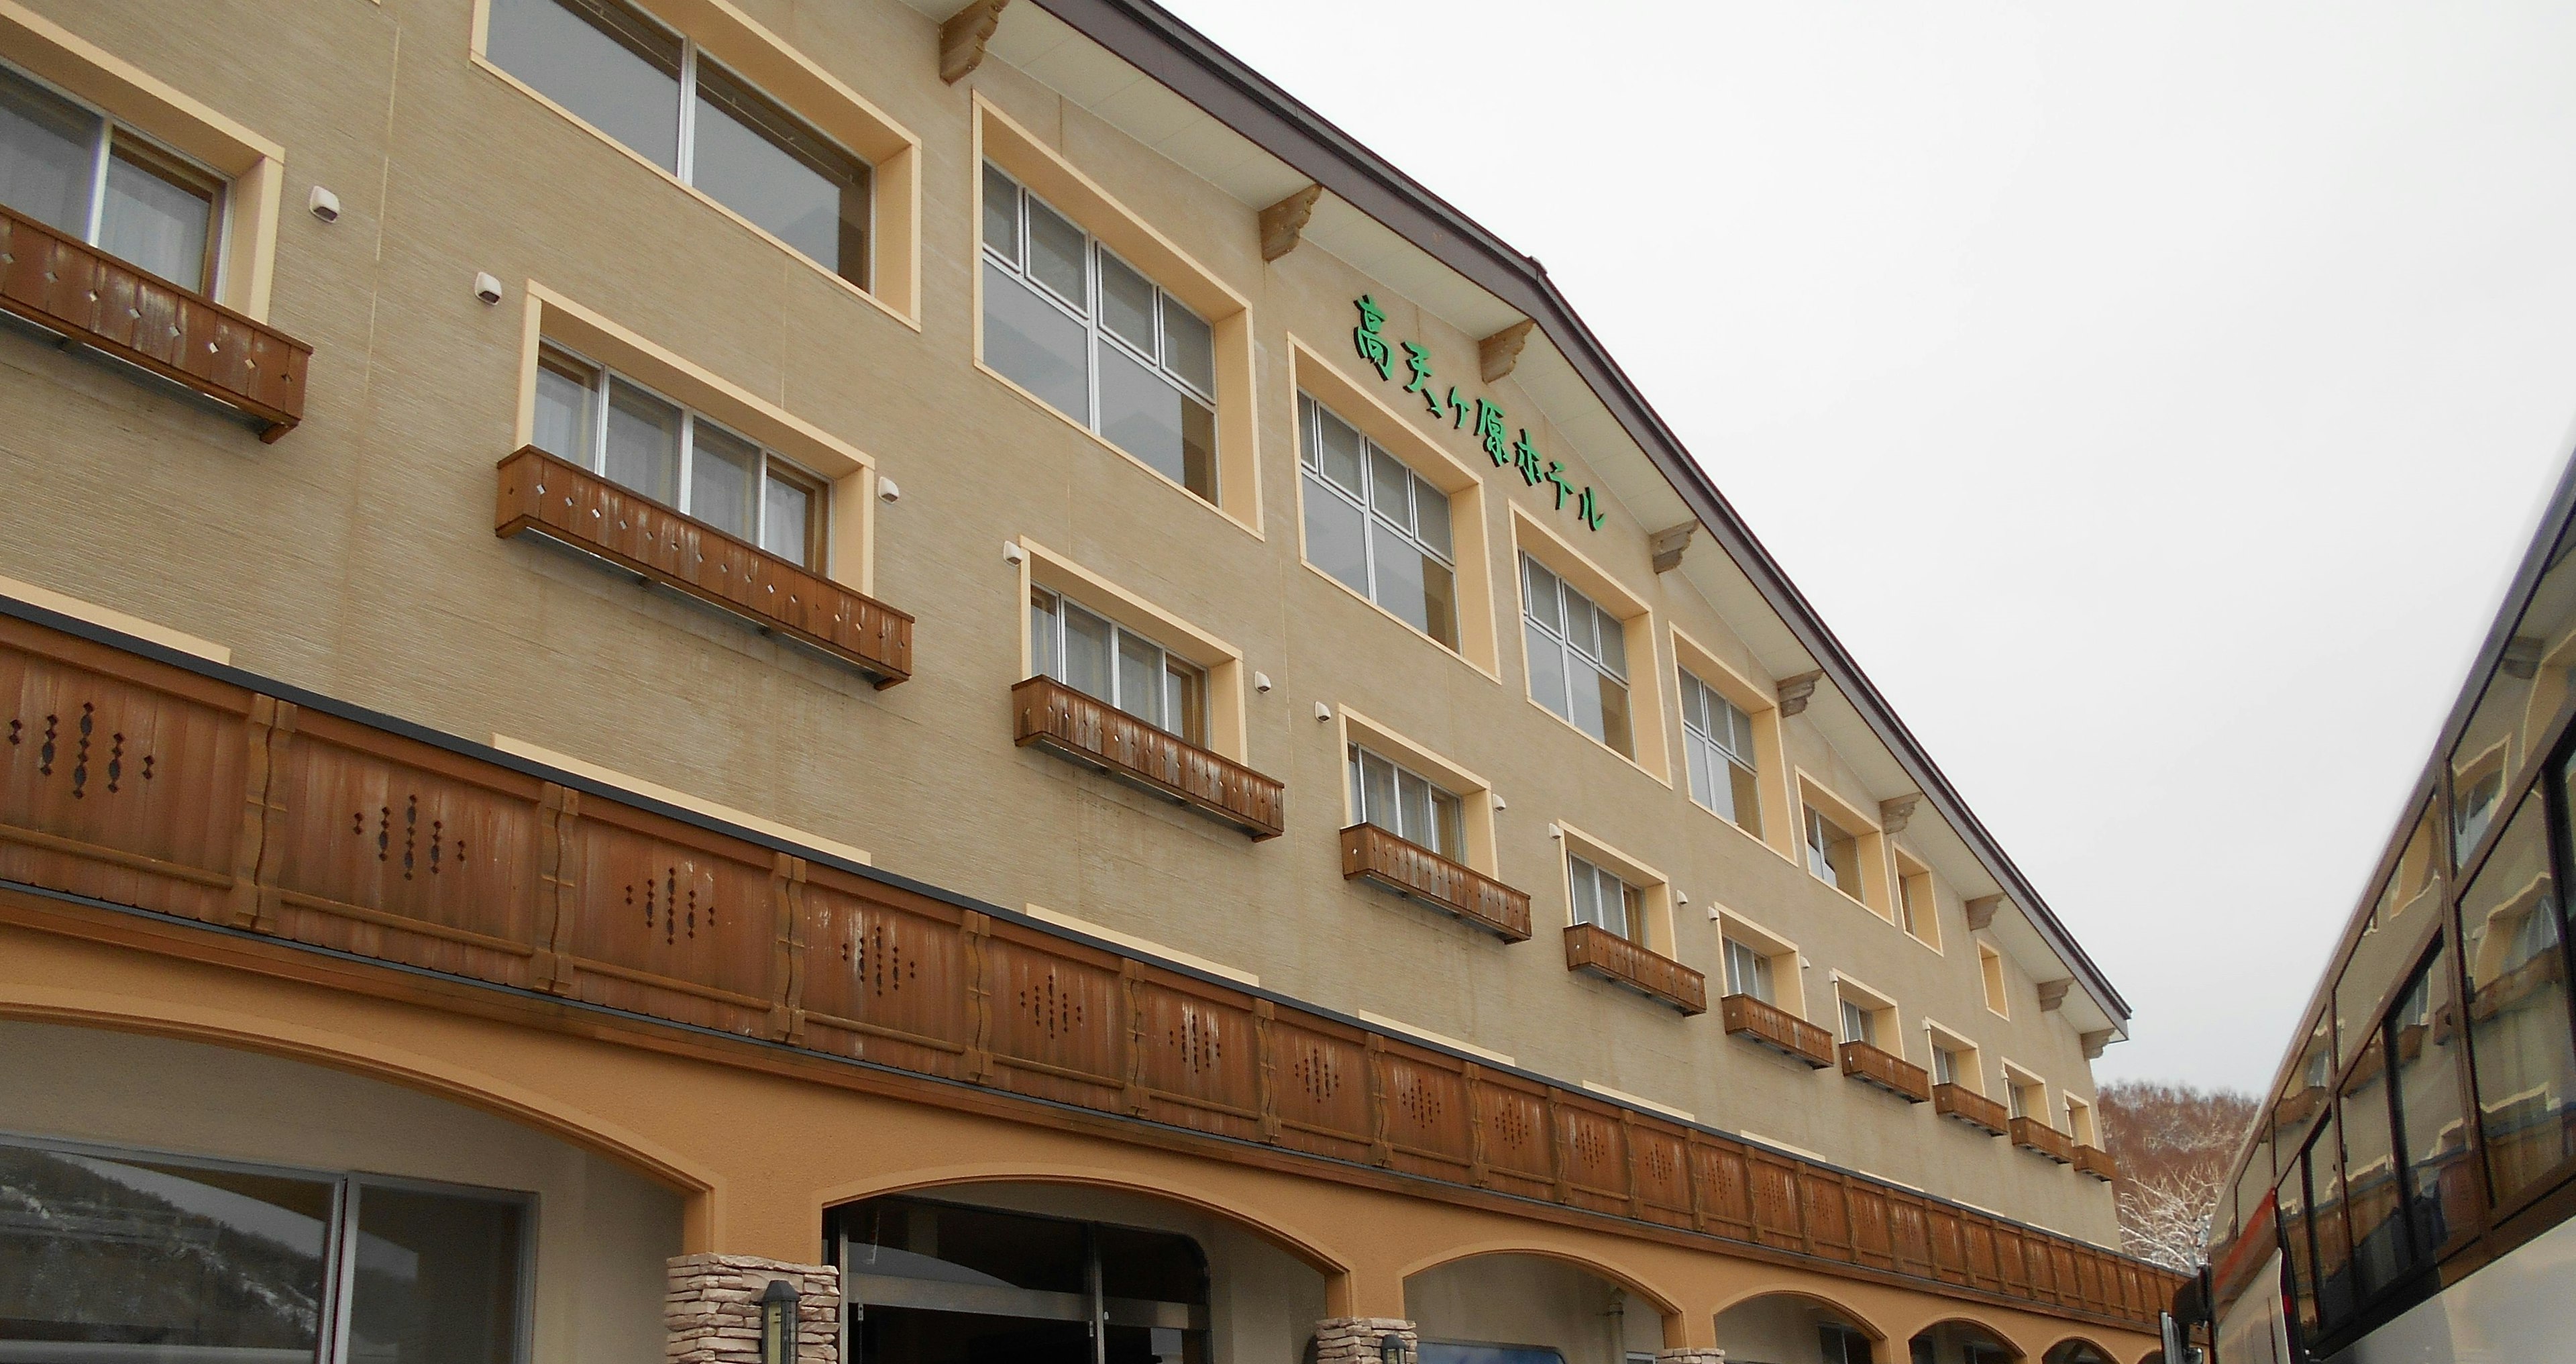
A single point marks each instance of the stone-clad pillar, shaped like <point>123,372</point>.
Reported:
<point>712,1309</point>
<point>1354,1340</point>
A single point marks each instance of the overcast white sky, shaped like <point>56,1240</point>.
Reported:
<point>2154,398</point>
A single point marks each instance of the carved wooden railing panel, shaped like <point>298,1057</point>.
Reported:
<point>1778,1029</point>
<point>2031,1134</point>
<point>76,290</point>
<point>2095,1161</point>
<point>1053,716</point>
<point>543,495</point>
<point>1970,1107</point>
<point>1615,959</point>
<point>1416,872</point>
<point>1888,1071</point>
<point>190,796</point>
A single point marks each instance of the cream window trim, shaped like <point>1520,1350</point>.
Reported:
<point>1971,1056</point>
<point>1228,728</point>
<point>254,166</point>
<point>1912,870</point>
<point>1473,560</point>
<point>1788,974</point>
<point>1877,1003</point>
<point>1647,685</point>
<point>1044,171</point>
<point>1994,982</point>
<point>2080,1122</point>
<point>2019,1077</point>
<point>1770,750</point>
<point>851,473</point>
<point>1871,851</point>
<point>743,46</point>
<point>1475,794</point>
<point>1658,890</point>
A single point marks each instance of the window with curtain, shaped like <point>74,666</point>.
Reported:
<point>1375,524</point>
<point>648,86</point>
<point>1578,657</point>
<point>1717,748</point>
<point>1115,665</point>
<point>589,415</point>
<point>1092,337</point>
<point>88,176</point>
<point>1747,972</point>
<point>1407,804</point>
<point>1860,1023</point>
<point>1601,899</point>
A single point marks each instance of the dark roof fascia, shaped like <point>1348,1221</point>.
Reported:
<point>1186,62</point>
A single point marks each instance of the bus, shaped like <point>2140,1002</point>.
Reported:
<point>2405,1194</point>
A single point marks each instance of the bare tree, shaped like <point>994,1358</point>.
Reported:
<point>2173,1144</point>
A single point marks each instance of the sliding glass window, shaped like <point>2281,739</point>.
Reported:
<point>1717,746</point>
<point>1578,657</point>
<point>88,176</point>
<point>1375,524</point>
<point>1117,666</point>
<point>119,1257</point>
<point>1601,899</point>
<point>1404,803</point>
<point>614,427</point>
<point>1096,340</point>
<point>630,76</point>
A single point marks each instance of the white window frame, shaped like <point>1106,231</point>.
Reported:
<point>1087,312</point>
<point>1396,821</point>
<point>1635,930</point>
<point>1050,660</point>
<point>1567,594</point>
<point>219,216</point>
<point>818,488</point>
<point>1311,478</point>
<point>1761,985</point>
<point>1718,756</point>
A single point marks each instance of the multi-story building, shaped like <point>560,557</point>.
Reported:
<point>957,659</point>
<point>2406,1194</point>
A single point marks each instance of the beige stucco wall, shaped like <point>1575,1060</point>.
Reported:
<point>602,1230</point>
<point>356,558</point>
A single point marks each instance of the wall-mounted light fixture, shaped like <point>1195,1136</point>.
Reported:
<point>1012,554</point>
<point>487,286</point>
<point>324,204</point>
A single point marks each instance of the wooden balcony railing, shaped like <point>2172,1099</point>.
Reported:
<point>1971,1107</point>
<point>1621,962</point>
<point>1055,717</point>
<point>2095,1161</point>
<point>436,872</point>
<point>543,495</point>
<point>79,292</point>
<point>1778,1029</point>
<point>1888,1071</point>
<point>1417,873</point>
<point>2030,1134</point>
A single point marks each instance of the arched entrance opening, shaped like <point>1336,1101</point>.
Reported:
<point>1035,1272</point>
<point>1524,1308</point>
<point>1798,1328</point>
<point>181,1199</point>
<point>1960,1342</point>
<point>2077,1351</point>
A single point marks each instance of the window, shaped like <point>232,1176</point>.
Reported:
<point>589,415</point>
<point>1717,743</point>
<point>1604,901</point>
<point>1748,972</point>
<point>2423,1040</point>
<point>2079,1122</point>
<point>89,176</point>
<point>1093,338</point>
<point>652,89</point>
<point>1375,524</point>
<point>1833,856</point>
<point>2026,1097</point>
<point>2519,1042</point>
<point>133,1256</point>
<point>1410,806</point>
<point>1990,963</point>
<point>1840,1344</point>
<point>2375,1198</point>
<point>1915,906</point>
<point>1578,657</point>
<point>1945,1065</point>
<point>1113,664</point>
<point>1860,1023</point>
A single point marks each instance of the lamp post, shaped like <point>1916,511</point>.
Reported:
<point>778,1323</point>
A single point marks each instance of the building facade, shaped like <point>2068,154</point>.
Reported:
<point>2406,1194</point>
<point>957,658</point>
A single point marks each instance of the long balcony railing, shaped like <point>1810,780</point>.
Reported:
<point>433,871</point>
<point>1055,717</point>
<point>1621,962</point>
<point>2030,1134</point>
<point>81,293</point>
<point>543,495</point>
<point>1888,1071</point>
<point>2095,1161</point>
<point>1778,1029</point>
<point>1971,1107</point>
<point>1415,872</point>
